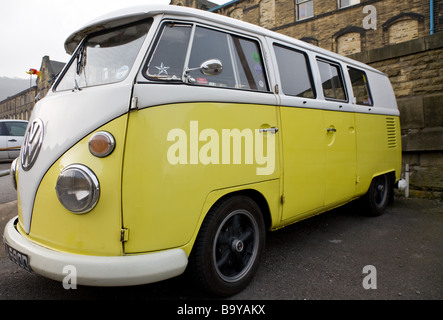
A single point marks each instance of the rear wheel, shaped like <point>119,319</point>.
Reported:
<point>228,248</point>
<point>378,195</point>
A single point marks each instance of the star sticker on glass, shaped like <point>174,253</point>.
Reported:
<point>162,69</point>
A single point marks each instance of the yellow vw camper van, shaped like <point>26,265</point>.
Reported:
<point>174,138</point>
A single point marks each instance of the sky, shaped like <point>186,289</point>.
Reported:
<point>31,29</point>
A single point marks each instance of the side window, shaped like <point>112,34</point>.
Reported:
<point>209,44</point>
<point>168,60</point>
<point>249,64</point>
<point>295,74</point>
<point>360,87</point>
<point>16,128</point>
<point>241,59</point>
<point>332,80</point>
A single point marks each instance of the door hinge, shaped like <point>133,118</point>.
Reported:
<point>282,199</point>
<point>134,103</point>
<point>124,235</point>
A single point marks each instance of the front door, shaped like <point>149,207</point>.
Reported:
<point>193,132</point>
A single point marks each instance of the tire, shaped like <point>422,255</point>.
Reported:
<point>378,196</point>
<point>229,246</point>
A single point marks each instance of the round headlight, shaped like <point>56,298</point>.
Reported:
<point>78,188</point>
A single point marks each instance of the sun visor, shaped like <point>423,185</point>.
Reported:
<point>111,20</point>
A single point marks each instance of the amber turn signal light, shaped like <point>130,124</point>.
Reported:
<point>101,144</point>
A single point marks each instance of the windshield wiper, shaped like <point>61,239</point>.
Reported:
<point>76,86</point>
<point>81,59</point>
<point>81,62</point>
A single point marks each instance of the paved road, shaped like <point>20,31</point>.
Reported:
<point>321,258</point>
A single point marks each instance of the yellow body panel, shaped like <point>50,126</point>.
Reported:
<point>96,232</point>
<point>340,157</point>
<point>323,168</point>
<point>378,148</point>
<point>319,164</point>
<point>304,147</point>
<point>163,202</point>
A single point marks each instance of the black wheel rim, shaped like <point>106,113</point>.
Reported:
<point>236,245</point>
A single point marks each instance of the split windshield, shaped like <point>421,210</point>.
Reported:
<point>105,57</point>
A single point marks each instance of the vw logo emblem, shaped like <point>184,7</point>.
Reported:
<point>32,144</point>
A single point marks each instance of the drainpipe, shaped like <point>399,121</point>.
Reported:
<point>431,16</point>
<point>407,180</point>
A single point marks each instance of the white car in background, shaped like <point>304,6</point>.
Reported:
<point>11,138</point>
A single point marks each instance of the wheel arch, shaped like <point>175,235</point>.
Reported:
<point>370,199</point>
<point>392,176</point>
<point>262,194</point>
<point>254,195</point>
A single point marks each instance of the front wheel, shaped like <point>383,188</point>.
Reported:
<point>228,248</point>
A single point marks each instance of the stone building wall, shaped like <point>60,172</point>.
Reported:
<point>18,106</point>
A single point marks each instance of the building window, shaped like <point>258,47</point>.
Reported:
<point>304,9</point>
<point>347,3</point>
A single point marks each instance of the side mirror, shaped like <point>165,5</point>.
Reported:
<point>211,67</point>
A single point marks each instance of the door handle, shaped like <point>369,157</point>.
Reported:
<point>12,140</point>
<point>331,130</point>
<point>271,130</point>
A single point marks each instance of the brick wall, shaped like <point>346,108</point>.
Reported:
<point>402,31</point>
<point>349,43</point>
